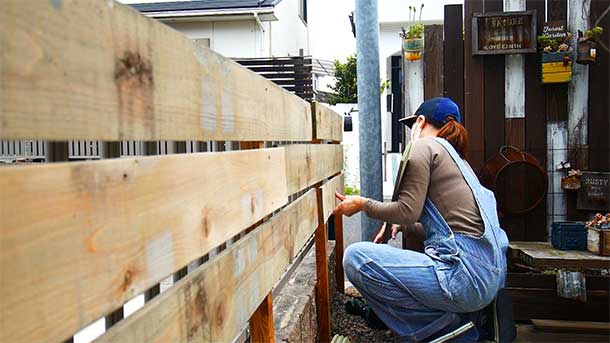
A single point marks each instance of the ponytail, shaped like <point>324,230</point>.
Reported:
<point>455,134</point>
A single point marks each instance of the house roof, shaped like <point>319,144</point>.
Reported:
<point>200,5</point>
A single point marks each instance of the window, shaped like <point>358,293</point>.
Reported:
<point>303,10</point>
<point>202,42</point>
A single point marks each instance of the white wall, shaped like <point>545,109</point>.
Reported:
<point>289,33</point>
<point>237,38</point>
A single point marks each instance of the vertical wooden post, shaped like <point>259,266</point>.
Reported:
<point>261,323</point>
<point>322,288</point>
<point>339,274</point>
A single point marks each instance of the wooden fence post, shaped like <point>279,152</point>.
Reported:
<point>261,323</point>
<point>322,288</point>
<point>339,273</point>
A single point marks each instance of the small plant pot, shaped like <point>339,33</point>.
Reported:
<point>556,67</point>
<point>587,52</point>
<point>413,48</point>
<point>570,183</point>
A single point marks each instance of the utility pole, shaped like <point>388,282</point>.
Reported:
<point>369,112</point>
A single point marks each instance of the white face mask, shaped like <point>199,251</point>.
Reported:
<point>415,131</point>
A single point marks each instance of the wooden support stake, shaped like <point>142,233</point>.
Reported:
<point>261,323</point>
<point>339,274</point>
<point>322,288</point>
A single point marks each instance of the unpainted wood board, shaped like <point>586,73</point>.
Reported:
<point>77,240</point>
<point>322,283</point>
<point>474,90</point>
<point>261,323</point>
<point>433,61</point>
<point>542,254</point>
<point>307,164</point>
<point>339,273</point>
<point>100,70</point>
<point>328,195</point>
<point>214,302</point>
<point>328,123</point>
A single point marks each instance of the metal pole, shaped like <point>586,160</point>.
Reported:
<point>369,113</point>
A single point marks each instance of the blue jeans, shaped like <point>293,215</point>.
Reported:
<point>403,289</point>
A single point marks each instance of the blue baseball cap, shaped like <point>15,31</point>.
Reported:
<point>435,109</point>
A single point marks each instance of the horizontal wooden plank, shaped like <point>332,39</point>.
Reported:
<point>328,195</point>
<point>290,76</point>
<point>99,70</point>
<point>296,69</point>
<point>543,255</point>
<point>328,124</point>
<point>274,61</point>
<point>79,239</point>
<point>215,301</point>
<point>308,164</point>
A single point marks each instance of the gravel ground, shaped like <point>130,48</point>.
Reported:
<point>354,326</point>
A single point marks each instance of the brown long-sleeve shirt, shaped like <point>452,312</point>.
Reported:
<point>431,172</point>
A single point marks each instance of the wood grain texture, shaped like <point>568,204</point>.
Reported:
<point>328,124</point>
<point>261,323</point>
<point>599,101</point>
<point>99,70</point>
<point>514,85</point>
<point>79,239</point>
<point>433,61</point>
<point>535,127</point>
<point>515,132</point>
<point>474,90</point>
<point>543,255</point>
<point>214,302</point>
<point>453,56</point>
<point>322,283</point>
<point>339,273</point>
<point>309,164</point>
<point>328,195</point>
<point>578,92</point>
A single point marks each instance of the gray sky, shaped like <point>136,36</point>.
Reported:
<point>330,32</point>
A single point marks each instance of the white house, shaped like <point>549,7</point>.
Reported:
<point>238,28</point>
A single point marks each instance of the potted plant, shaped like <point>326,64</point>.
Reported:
<point>412,37</point>
<point>556,58</point>
<point>587,45</point>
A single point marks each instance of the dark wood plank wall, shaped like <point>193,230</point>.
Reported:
<point>474,90</point>
<point>535,127</point>
<point>453,58</point>
<point>433,66</point>
<point>599,96</point>
<point>477,85</point>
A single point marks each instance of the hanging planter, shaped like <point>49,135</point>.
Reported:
<point>556,67</point>
<point>587,45</point>
<point>413,48</point>
<point>412,37</point>
<point>556,59</point>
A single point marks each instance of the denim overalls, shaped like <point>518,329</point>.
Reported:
<point>416,295</point>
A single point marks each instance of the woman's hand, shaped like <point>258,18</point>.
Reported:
<point>379,236</point>
<point>349,205</point>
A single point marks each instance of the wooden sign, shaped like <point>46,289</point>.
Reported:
<point>504,33</point>
<point>556,29</point>
<point>594,193</point>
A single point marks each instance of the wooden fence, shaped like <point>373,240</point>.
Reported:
<point>292,73</point>
<point>542,126</point>
<point>79,239</point>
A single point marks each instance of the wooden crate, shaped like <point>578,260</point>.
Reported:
<point>555,69</point>
<point>598,241</point>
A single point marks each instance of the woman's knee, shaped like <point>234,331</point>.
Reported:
<point>354,257</point>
